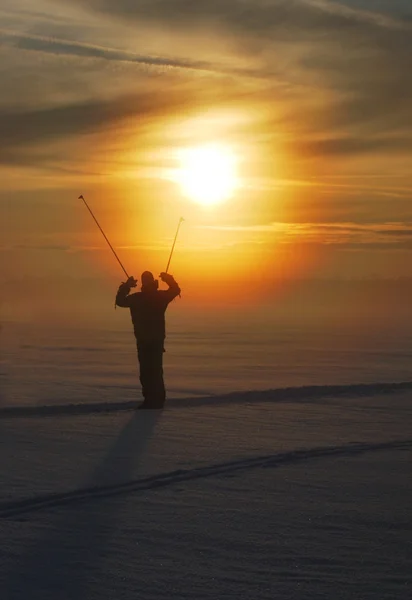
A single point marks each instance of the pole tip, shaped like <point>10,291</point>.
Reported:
<point>80,197</point>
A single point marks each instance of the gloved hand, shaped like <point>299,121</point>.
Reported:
<point>167,278</point>
<point>130,283</point>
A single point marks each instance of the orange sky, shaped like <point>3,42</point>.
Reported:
<point>99,99</point>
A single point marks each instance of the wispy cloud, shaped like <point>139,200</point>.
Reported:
<point>257,16</point>
<point>91,83</point>
<point>361,53</point>
<point>22,130</point>
<point>387,235</point>
<point>334,104</point>
<point>37,43</point>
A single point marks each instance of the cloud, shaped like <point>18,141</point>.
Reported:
<point>361,56</point>
<point>71,249</point>
<point>21,130</point>
<point>38,43</point>
<point>32,247</point>
<point>322,80</point>
<point>389,236</point>
<point>253,17</point>
<point>353,145</point>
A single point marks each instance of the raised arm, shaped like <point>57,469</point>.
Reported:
<point>174,289</point>
<point>123,297</point>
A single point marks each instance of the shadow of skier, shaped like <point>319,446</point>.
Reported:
<point>68,558</point>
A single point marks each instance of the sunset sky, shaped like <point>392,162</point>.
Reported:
<point>311,98</point>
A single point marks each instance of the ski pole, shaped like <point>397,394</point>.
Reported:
<point>174,242</point>
<point>104,235</point>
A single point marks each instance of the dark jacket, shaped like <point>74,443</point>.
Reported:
<point>147,309</point>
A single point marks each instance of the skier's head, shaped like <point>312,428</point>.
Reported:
<point>149,283</point>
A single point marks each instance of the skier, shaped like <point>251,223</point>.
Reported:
<point>147,310</point>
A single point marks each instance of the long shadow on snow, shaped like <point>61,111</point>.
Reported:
<point>64,563</point>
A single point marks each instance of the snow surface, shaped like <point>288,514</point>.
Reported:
<point>295,494</point>
<point>40,364</point>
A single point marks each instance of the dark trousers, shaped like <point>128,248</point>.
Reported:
<point>150,356</point>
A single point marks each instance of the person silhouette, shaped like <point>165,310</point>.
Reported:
<point>147,309</point>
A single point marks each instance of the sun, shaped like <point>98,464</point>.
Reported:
<point>207,174</point>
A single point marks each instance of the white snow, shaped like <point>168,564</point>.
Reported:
<point>267,495</point>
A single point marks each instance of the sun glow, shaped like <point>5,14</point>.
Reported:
<point>207,174</point>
